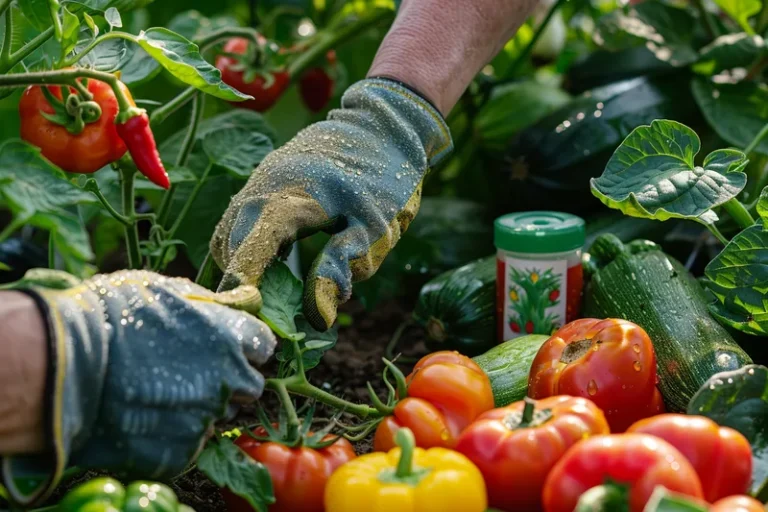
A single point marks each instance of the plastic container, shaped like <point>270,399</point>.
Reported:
<point>539,275</point>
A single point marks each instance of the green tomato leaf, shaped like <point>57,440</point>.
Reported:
<point>762,207</point>
<point>739,399</point>
<point>665,30</point>
<point>281,292</point>
<point>110,55</point>
<point>112,16</point>
<point>183,60</point>
<point>70,31</point>
<point>140,68</point>
<point>737,112</point>
<point>738,278</point>
<point>91,24</point>
<point>740,11</point>
<point>664,500</point>
<point>37,12</point>
<point>229,466</point>
<point>652,174</point>
<point>236,150</point>
<point>729,52</point>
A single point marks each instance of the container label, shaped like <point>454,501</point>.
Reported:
<point>535,293</point>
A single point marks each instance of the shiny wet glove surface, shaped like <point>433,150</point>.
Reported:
<point>140,368</point>
<point>357,175</point>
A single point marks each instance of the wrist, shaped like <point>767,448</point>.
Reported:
<point>24,352</point>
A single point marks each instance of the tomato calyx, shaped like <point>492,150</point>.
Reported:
<point>292,436</point>
<point>530,417</point>
<point>575,350</point>
<point>74,110</point>
<point>609,496</point>
<point>395,393</point>
<point>404,472</point>
<point>125,115</point>
<point>260,61</point>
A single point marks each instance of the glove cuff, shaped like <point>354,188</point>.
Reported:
<point>411,107</point>
<point>76,367</point>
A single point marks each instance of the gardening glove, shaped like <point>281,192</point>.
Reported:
<point>140,366</point>
<point>357,175</point>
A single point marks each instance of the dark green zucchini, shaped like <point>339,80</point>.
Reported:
<point>551,162</point>
<point>508,365</point>
<point>640,283</point>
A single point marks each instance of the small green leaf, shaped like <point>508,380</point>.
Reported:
<point>112,16</point>
<point>729,52</point>
<point>236,150</point>
<point>91,24</point>
<point>740,11</point>
<point>738,278</point>
<point>664,500</point>
<point>665,30</point>
<point>182,59</point>
<point>739,399</point>
<point>762,207</point>
<point>229,466</point>
<point>652,174</point>
<point>315,344</point>
<point>737,112</point>
<point>70,31</point>
<point>281,292</point>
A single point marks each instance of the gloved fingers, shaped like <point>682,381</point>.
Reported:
<point>349,256</point>
<point>261,230</point>
<point>258,342</point>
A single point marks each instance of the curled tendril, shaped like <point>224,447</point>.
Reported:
<point>90,111</point>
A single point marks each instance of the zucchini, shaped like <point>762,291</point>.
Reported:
<point>458,308</point>
<point>640,283</point>
<point>508,365</point>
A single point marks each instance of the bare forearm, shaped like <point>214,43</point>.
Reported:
<point>438,46</point>
<point>22,374</point>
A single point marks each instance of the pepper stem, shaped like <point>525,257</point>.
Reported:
<point>407,442</point>
<point>528,409</point>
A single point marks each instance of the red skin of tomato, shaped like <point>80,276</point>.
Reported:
<point>90,150</point>
<point>263,98</point>
<point>737,504</point>
<point>617,370</point>
<point>721,456</point>
<point>515,461</point>
<point>639,461</point>
<point>446,392</point>
<point>298,474</point>
<point>316,86</point>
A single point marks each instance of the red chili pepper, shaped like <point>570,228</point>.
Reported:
<point>138,137</point>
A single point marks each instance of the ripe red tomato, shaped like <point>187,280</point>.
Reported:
<point>316,85</point>
<point>298,474</point>
<point>233,74</point>
<point>446,392</point>
<point>554,295</point>
<point>638,461</point>
<point>88,151</point>
<point>737,504</point>
<point>515,447</point>
<point>610,362</point>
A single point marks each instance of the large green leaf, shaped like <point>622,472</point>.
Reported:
<point>739,399</point>
<point>652,174</point>
<point>738,279</point>
<point>737,112</point>
<point>729,52</point>
<point>110,55</point>
<point>37,12</point>
<point>140,68</point>
<point>741,11</point>
<point>229,466</point>
<point>182,59</point>
<point>236,150</point>
<point>665,30</point>
<point>514,107</point>
<point>281,292</point>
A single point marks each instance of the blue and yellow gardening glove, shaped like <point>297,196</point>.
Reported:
<point>140,367</point>
<point>357,175</point>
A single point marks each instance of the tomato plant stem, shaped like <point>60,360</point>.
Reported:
<point>292,419</point>
<point>758,138</point>
<point>713,229</point>
<point>299,385</point>
<point>5,54</point>
<point>333,37</point>
<point>92,186</point>
<point>127,176</point>
<point>4,5</point>
<point>739,213</point>
<point>23,52</point>
<point>160,114</point>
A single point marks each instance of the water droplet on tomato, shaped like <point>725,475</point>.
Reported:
<point>637,366</point>
<point>592,388</point>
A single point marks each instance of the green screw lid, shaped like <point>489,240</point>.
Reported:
<point>538,232</point>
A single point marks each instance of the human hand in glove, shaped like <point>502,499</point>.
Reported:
<point>140,367</point>
<point>357,175</point>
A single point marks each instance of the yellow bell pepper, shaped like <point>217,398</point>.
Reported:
<point>407,479</point>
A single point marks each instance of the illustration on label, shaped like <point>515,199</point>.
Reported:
<point>535,297</point>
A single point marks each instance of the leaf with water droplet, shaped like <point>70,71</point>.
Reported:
<point>739,399</point>
<point>652,174</point>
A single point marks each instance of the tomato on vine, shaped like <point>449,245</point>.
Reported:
<point>78,136</point>
<point>316,85</point>
<point>245,66</point>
